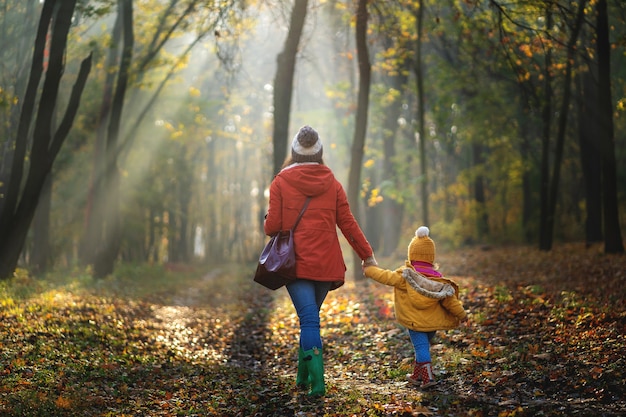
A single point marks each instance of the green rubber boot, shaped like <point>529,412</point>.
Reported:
<point>315,365</point>
<point>302,379</point>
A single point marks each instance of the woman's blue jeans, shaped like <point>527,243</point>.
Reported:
<point>421,344</point>
<point>307,297</point>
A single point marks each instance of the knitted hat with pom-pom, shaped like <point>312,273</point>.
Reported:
<point>422,247</point>
<point>306,146</point>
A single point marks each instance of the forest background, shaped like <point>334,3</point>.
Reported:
<point>148,132</point>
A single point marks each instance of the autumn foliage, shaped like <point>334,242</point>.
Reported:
<point>546,338</point>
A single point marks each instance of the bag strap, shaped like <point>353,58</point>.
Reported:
<point>306,204</point>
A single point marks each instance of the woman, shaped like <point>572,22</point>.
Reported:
<point>320,267</point>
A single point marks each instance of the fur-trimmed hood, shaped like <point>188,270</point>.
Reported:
<point>427,287</point>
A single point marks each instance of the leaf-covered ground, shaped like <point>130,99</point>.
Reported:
<point>546,338</point>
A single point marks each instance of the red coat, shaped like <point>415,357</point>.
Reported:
<point>318,253</point>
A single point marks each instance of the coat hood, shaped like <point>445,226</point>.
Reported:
<point>427,287</point>
<point>312,179</point>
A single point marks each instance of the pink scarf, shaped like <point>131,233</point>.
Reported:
<point>425,268</point>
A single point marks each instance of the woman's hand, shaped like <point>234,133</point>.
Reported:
<point>369,261</point>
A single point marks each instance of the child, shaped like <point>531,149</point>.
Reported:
<point>424,301</point>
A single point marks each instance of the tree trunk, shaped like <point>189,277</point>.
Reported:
<point>41,229</point>
<point>360,127</point>
<point>184,202</point>
<point>92,237</point>
<point>17,213</point>
<point>545,236</point>
<point>22,39</point>
<point>283,83</point>
<point>562,125</point>
<point>107,253</point>
<point>612,233</point>
<point>178,233</point>
<point>482,218</point>
<point>374,216</point>
<point>590,159</point>
<point>151,250</point>
<point>526,133</point>
<point>392,211</point>
<point>41,223</point>
<point>419,76</point>
<point>13,180</point>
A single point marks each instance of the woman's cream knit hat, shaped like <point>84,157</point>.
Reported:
<point>306,146</point>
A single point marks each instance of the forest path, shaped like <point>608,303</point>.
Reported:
<point>546,338</point>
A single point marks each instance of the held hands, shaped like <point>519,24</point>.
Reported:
<point>369,261</point>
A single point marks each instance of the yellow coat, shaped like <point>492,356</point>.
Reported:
<point>421,304</point>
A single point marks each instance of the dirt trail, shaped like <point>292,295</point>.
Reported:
<point>547,338</point>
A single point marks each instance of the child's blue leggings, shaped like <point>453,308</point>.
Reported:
<point>421,344</point>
